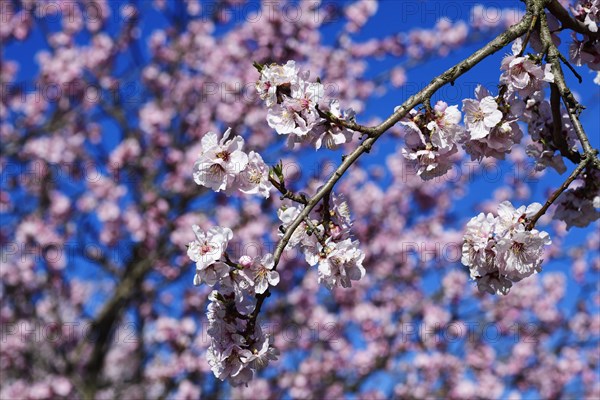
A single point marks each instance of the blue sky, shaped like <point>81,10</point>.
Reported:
<point>393,17</point>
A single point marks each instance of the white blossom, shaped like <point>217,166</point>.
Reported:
<point>342,264</point>
<point>445,129</point>
<point>287,215</point>
<point>501,250</point>
<point>208,246</point>
<point>330,135</point>
<point>276,81</point>
<point>478,252</point>
<point>510,217</point>
<point>262,270</point>
<point>522,74</point>
<point>263,352</point>
<point>211,274</point>
<point>481,116</point>
<point>580,206</point>
<point>220,161</point>
<point>429,160</point>
<point>519,254</point>
<point>254,179</point>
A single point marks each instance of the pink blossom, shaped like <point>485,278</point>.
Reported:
<point>220,162</point>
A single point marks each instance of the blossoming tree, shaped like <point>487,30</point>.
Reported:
<point>144,154</point>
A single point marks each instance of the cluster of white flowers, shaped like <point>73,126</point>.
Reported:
<point>500,250</point>
<point>223,166</point>
<point>490,132</point>
<point>206,251</point>
<point>580,206</point>
<point>522,74</point>
<point>234,353</point>
<point>327,244</point>
<point>293,107</point>
<point>588,11</point>
<point>490,122</point>
<point>431,138</point>
<point>541,124</point>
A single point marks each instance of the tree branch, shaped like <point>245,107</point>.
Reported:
<point>373,133</point>
<point>584,162</point>
<point>557,136</point>
<point>572,105</point>
<point>285,193</point>
<point>568,21</point>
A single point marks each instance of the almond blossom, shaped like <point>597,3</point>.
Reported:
<point>491,133</point>
<point>99,134</point>
<point>261,354</point>
<point>231,355</point>
<point>445,129</point>
<point>500,250</point>
<point>209,246</point>
<point>332,135</point>
<point>292,100</point>
<point>478,250</point>
<point>522,74</point>
<point>430,161</point>
<point>220,161</point>
<point>254,179</point>
<point>481,114</point>
<point>519,254</point>
<point>276,81</point>
<point>510,217</point>
<point>580,205</point>
<point>588,11</point>
<point>341,264</point>
<point>262,270</point>
<point>287,215</point>
<point>211,274</point>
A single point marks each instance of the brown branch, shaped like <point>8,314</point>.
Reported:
<point>573,108</point>
<point>285,193</point>
<point>557,136</point>
<point>375,132</point>
<point>569,21</point>
<point>572,105</point>
<point>533,8</point>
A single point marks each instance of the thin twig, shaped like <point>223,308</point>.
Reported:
<point>526,40</point>
<point>285,193</point>
<point>580,167</point>
<point>315,231</point>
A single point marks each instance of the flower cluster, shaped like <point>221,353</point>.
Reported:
<point>233,353</point>
<point>293,107</point>
<point>522,74</point>
<point>490,132</point>
<point>431,139</point>
<point>238,347</point>
<point>585,49</point>
<point>588,12</point>
<point>206,252</point>
<point>491,121</point>
<point>223,166</point>
<point>541,127</point>
<point>500,250</point>
<point>324,237</point>
<point>581,205</point>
